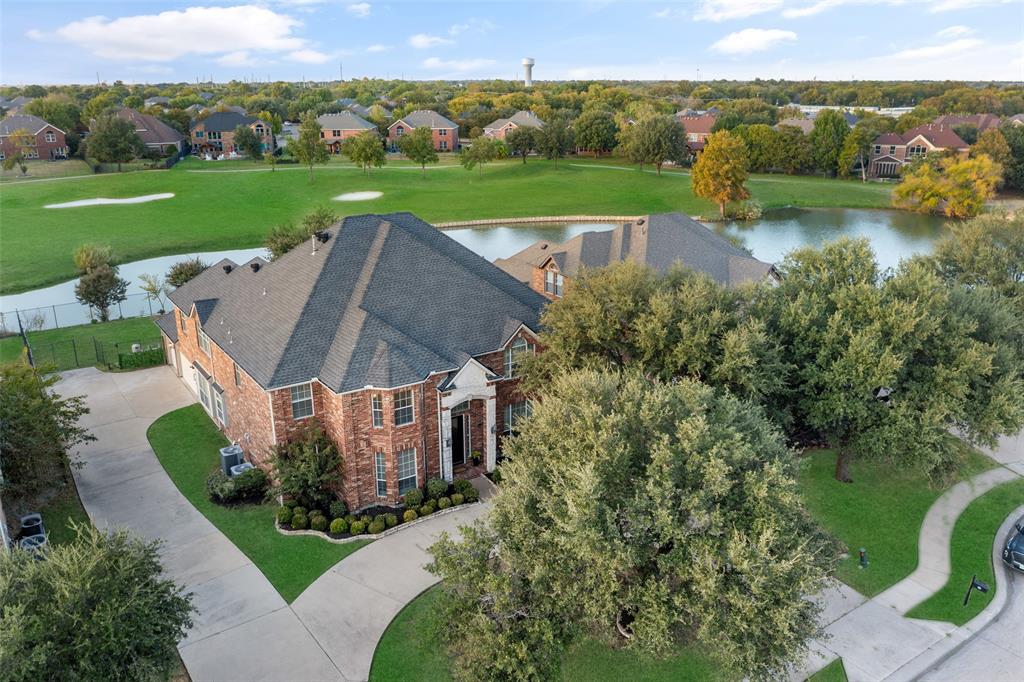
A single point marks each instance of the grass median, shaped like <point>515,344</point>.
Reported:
<point>187,444</point>
<point>971,555</point>
<point>71,347</point>
<point>222,209</point>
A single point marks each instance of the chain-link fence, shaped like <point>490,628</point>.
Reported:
<point>91,351</point>
<point>71,314</point>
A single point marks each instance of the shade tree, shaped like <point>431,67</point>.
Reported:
<point>827,137</point>
<point>366,150</point>
<point>307,148</point>
<point>521,141</point>
<point>418,147</point>
<point>720,172</point>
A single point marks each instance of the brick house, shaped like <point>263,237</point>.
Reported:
<point>503,126</point>
<point>153,132</point>
<point>336,128</point>
<point>401,342</point>
<point>215,134</point>
<point>698,130</point>
<point>891,151</point>
<point>446,132</point>
<point>658,241</point>
<point>980,121</point>
<point>46,141</point>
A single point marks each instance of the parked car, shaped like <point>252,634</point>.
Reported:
<point>1013,551</point>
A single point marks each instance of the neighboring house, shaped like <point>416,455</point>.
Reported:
<point>698,130</point>
<point>153,132</point>
<point>206,96</point>
<point>400,341</point>
<point>1016,119</point>
<point>47,140</point>
<point>503,126</point>
<point>804,124</point>
<point>15,105</point>
<point>156,101</point>
<point>289,132</point>
<point>891,151</point>
<point>980,121</point>
<point>336,128</point>
<point>446,132</point>
<point>195,109</point>
<point>215,134</point>
<point>659,241</point>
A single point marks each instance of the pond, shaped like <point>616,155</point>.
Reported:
<point>893,234</point>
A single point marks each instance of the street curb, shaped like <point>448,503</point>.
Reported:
<point>945,648</point>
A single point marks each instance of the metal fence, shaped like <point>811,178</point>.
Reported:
<point>71,314</point>
<point>91,351</point>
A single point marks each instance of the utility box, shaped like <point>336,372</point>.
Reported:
<point>229,457</point>
<point>239,468</point>
<point>32,524</point>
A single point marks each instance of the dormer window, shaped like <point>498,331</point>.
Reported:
<point>553,282</point>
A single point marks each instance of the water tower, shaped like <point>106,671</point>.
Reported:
<point>528,71</point>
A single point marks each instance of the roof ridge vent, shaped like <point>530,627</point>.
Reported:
<point>227,269</point>
<point>255,266</point>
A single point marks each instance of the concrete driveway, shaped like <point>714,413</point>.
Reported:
<point>244,630</point>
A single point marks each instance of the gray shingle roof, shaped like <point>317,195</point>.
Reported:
<point>426,118</point>
<point>32,124</point>
<point>522,119</point>
<point>343,120</point>
<point>168,326</point>
<point>225,121</point>
<point>387,300</point>
<point>658,241</point>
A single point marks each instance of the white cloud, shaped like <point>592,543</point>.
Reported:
<point>193,31</point>
<point>308,56</point>
<point>359,9</point>
<point>377,47</point>
<point>422,41</point>
<point>236,58</point>
<point>953,5</point>
<point>752,40</point>
<point>722,10</point>
<point>456,65</point>
<point>938,51</point>
<point>812,9</point>
<point>955,32</point>
<point>475,25</point>
<point>670,13</point>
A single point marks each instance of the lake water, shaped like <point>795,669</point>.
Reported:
<point>893,234</point>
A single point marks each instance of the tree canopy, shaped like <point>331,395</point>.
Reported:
<point>113,140</point>
<point>521,141</point>
<point>827,137</point>
<point>418,147</point>
<point>721,170</point>
<point>483,151</point>
<point>366,150</point>
<point>596,131</point>
<point>955,187</point>
<point>308,149</point>
<point>654,139</point>
<point>554,140</point>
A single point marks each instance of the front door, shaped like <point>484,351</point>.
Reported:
<point>459,432</point>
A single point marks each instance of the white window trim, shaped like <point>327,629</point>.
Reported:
<point>415,470</point>
<point>412,407</point>
<point>292,401</point>
<point>204,341</point>
<point>220,410</point>
<point>376,410</point>
<point>380,471</point>
<point>518,346</point>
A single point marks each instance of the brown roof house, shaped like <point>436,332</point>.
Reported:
<point>503,126</point>
<point>698,130</point>
<point>658,241</point>
<point>980,121</point>
<point>153,132</point>
<point>891,151</point>
<point>402,343</point>
<point>45,140</point>
<point>446,132</point>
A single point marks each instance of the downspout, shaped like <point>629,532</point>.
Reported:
<point>423,429</point>
<point>440,436</point>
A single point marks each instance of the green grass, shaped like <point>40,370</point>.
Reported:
<point>411,649</point>
<point>61,510</point>
<point>833,672</point>
<point>186,442</point>
<point>46,169</point>
<point>882,511</point>
<point>54,346</point>
<point>971,554</point>
<point>222,210</point>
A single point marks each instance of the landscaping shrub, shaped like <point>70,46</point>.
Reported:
<point>436,487</point>
<point>409,515</point>
<point>284,515</point>
<point>338,509</point>
<point>144,358</point>
<point>366,519</point>
<point>318,523</point>
<point>376,527</point>
<point>308,467</point>
<point>250,485</point>
<point>291,504</point>
<point>462,486</point>
<point>300,522</point>
<point>413,498</point>
<point>216,484</point>
<point>339,526</point>
<point>457,499</point>
<point>315,512</point>
<point>350,519</point>
<point>426,510</point>
<point>299,510</point>
<point>472,495</point>
<point>390,520</point>
<point>357,528</point>
<point>443,503</point>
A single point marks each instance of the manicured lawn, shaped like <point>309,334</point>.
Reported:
<point>833,672</point>
<point>47,169</point>
<point>71,347</point>
<point>220,209</point>
<point>882,511</point>
<point>60,511</point>
<point>971,554</point>
<point>411,649</point>
<point>187,443</point>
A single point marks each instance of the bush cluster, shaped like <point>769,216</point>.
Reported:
<point>357,528</point>
<point>300,522</point>
<point>376,527</point>
<point>413,498</point>
<point>284,515</point>
<point>436,487</point>
<point>338,509</point>
<point>248,486</point>
<point>462,486</point>
<point>409,515</point>
<point>443,503</point>
<point>457,499</point>
<point>339,526</point>
<point>318,523</point>
<point>390,520</point>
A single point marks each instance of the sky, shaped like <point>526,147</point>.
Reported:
<point>153,41</point>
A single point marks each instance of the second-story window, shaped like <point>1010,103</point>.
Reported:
<point>377,411</point>
<point>50,137</point>
<point>204,341</point>
<point>512,353</point>
<point>302,401</point>
<point>553,283</point>
<point>403,407</point>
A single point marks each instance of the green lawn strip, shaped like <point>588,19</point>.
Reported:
<point>63,508</point>
<point>46,169</point>
<point>971,554</point>
<point>411,648</point>
<point>882,511</point>
<point>833,672</point>
<point>186,442</point>
<point>232,210</point>
<point>54,346</point>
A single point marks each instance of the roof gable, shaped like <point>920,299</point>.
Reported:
<point>425,118</point>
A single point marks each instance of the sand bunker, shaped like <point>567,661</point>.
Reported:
<point>358,196</point>
<point>102,201</point>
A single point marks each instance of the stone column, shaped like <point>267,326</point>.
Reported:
<point>446,444</point>
<point>492,437</point>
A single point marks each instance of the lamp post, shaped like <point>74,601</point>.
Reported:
<point>975,585</point>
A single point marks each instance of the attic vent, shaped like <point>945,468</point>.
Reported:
<point>543,247</point>
<point>227,269</point>
<point>255,267</point>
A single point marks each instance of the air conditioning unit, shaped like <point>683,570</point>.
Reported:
<point>229,457</point>
<point>239,468</point>
<point>136,347</point>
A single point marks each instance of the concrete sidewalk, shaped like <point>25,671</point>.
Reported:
<point>244,630</point>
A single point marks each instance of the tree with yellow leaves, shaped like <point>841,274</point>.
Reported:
<point>955,187</point>
<point>721,170</point>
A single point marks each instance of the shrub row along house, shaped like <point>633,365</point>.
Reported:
<point>215,134</point>
<point>658,241</point>
<point>445,131</point>
<point>31,134</point>
<point>401,342</point>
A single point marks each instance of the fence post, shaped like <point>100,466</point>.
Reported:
<point>99,350</point>
<point>119,311</point>
<point>74,349</point>
<point>150,302</point>
<point>55,323</point>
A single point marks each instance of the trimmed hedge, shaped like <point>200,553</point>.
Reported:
<point>339,526</point>
<point>145,358</point>
<point>410,515</point>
